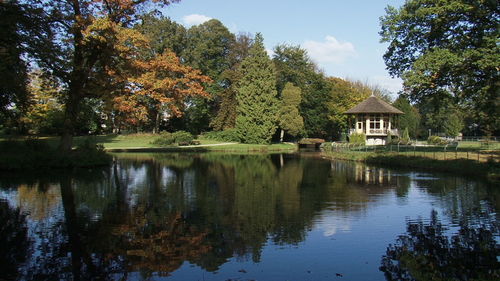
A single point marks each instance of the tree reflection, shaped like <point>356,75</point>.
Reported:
<point>426,253</point>
<point>13,240</point>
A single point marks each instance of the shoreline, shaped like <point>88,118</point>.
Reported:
<point>487,170</point>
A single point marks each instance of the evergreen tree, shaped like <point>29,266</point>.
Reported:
<point>290,119</point>
<point>257,102</point>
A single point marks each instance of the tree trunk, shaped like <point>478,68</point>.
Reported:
<point>156,127</point>
<point>77,80</point>
<point>282,134</point>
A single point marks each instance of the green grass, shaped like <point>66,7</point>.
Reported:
<point>488,168</point>
<point>136,142</point>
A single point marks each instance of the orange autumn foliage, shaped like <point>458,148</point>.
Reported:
<point>139,86</point>
<point>167,82</point>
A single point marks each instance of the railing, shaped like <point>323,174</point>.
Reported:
<point>394,132</point>
<point>439,152</point>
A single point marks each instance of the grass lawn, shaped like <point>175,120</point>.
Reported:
<point>139,141</point>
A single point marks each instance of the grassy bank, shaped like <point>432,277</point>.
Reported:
<point>144,142</point>
<point>35,153</point>
<point>488,169</point>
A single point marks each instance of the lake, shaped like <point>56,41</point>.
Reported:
<point>168,216</point>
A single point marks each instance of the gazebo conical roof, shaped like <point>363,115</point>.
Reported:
<point>374,105</point>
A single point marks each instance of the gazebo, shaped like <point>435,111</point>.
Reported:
<point>374,118</point>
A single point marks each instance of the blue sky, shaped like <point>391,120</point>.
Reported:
<point>341,36</point>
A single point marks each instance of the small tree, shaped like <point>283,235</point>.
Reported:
<point>289,116</point>
<point>405,139</point>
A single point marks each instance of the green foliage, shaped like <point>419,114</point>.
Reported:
<point>228,135</point>
<point>344,95</point>
<point>411,117</point>
<point>179,137</point>
<point>436,140</point>
<point>294,66</point>
<point>447,47</point>
<point>163,33</point>
<point>454,126</point>
<point>357,138</point>
<point>289,116</point>
<point>208,46</point>
<point>13,69</point>
<point>226,101</point>
<point>257,102</point>
<point>442,117</point>
<point>405,138</point>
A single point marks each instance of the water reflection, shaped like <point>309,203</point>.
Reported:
<point>13,238</point>
<point>149,215</point>
<point>427,253</point>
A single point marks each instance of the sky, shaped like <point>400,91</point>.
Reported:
<point>341,36</point>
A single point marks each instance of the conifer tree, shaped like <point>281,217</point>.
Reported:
<point>256,94</point>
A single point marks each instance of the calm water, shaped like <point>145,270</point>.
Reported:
<point>253,217</point>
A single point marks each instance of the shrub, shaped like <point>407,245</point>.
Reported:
<point>164,139</point>
<point>405,139</point>
<point>357,138</point>
<point>435,140</point>
<point>167,138</point>
<point>182,137</point>
<point>228,135</point>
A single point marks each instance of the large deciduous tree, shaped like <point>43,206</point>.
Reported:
<point>344,95</point>
<point>294,66</point>
<point>78,45</point>
<point>450,48</point>
<point>159,89</point>
<point>13,70</point>
<point>257,97</point>
<point>208,48</point>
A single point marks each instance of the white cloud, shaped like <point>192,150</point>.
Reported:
<point>195,19</point>
<point>330,51</point>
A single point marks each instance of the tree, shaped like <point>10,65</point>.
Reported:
<point>44,114</point>
<point>289,116</point>
<point>294,66</point>
<point>447,46</point>
<point>441,116</point>
<point>257,102</point>
<point>13,70</point>
<point>163,33</point>
<point>344,95</point>
<point>83,42</point>
<point>227,103</point>
<point>208,49</point>
<point>160,89</point>
<point>410,119</point>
